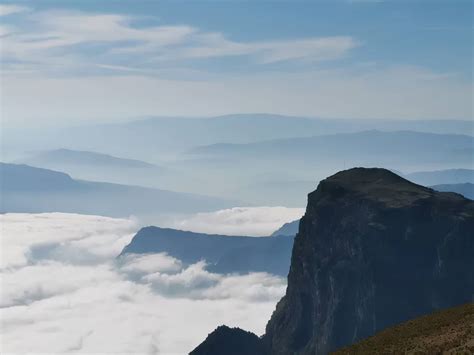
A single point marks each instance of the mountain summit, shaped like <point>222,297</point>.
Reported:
<point>373,250</point>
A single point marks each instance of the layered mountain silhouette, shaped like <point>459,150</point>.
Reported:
<point>60,157</point>
<point>224,254</point>
<point>142,138</point>
<point>466,189</point>
<point>265,160</point>
<point>29,189</point>
<point>440,177</point>
<point>98,167</point>
<point>373,250</point>
<point>399,147</point>
<point>280,171</point>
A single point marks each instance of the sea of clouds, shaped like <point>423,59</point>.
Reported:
<point>63,290</point>
<point>250,221</point>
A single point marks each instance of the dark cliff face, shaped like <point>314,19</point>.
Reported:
<point>373,250</point>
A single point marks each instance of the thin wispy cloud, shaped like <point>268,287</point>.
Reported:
<point>12,9</point>
<point>117,42</point>
<point>312,49</point>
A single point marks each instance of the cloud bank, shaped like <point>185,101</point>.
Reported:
<point>64,291</point>
<point>251,221</point>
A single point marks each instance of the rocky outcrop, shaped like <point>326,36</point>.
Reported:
<point>230,341</point>
<point>373,250</point>
<point>223,254</point>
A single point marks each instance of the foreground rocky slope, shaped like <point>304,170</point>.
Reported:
<point>373,250</point>
<point>448,331</point>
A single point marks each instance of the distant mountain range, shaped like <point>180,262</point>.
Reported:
<point>97,166</point>
<point>373,250</point>
<point>260,158</point>
<point>467,189</point>
<point>155,138</point>
<point>224,254</point>
<point>61,157</point>
<point>368,147</point>
<point>30,189</point>
<point>276,179</point>
<point>282,171</point>
<point>438,177</point>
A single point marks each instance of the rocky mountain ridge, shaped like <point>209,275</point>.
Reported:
<point>373,250</point>
<point>222,253</point>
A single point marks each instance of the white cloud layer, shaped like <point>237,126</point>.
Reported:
<point>251,221</point>
<point>93,303</point>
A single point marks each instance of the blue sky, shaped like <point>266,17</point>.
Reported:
<point>355,58</point>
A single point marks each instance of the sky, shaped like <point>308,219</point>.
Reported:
<point>69,62</point>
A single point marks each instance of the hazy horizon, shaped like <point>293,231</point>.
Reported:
<point>106,63</point>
